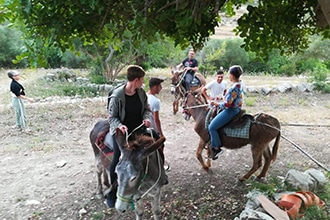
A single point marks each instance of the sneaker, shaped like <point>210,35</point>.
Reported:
<point>26,130</point>
<point>111,199</point>
<point>215,153</point>
<point>17,127</point>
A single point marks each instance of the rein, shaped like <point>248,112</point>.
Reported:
<point>181,79</point>
<point>196,106</point>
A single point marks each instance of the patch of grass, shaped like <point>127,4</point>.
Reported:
<point>269,188</point>
<point>96,216</point>
<point>250,101</point>
<point>62,89</point>
<point>283,101</point>
<point>36,215</point>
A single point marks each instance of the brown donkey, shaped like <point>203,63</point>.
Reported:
<point>179,91</point>
<point>264,128</point>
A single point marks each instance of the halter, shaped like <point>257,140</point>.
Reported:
<point>130,199</point>
<point>186,108</point>
<point>179,87</point>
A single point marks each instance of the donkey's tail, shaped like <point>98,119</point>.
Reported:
<point>276,146</point>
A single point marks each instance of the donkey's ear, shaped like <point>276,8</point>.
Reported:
<point>154,146</point>
<point>121,138</point>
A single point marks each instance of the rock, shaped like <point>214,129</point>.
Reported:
<point>32,202</point>
<point>82,211</point>
<point>318,177</point>
<point>266,90</point>
<point>61,163</point>
<point>299,180</point>
<point>253,214</point>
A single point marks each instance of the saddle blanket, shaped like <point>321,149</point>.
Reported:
<point>242,132</point>
<point>102,142</point>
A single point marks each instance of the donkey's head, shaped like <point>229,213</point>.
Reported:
<point>188,103</point>
<point>193,104</point>
<point>131,169</point>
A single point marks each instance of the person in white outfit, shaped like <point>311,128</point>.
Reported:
<point>217,88</point>
<point>155,87</point>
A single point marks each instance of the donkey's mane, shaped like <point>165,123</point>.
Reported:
<point>140,141</point>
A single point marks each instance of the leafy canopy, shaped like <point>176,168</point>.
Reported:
<point>282,24</point>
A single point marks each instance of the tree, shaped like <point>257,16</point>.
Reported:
<point>282,24</point>
<point>285,25</point>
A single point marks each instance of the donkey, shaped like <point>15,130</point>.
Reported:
<point>178,89</point>
<point>102,159</point>
<point>263,129</point>
<point>140,172</point>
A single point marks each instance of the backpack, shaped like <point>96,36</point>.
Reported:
<point>111,91</point>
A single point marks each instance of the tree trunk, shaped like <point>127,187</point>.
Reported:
<point>323,13</point>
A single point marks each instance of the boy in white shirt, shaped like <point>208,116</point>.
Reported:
<point>217,87</point>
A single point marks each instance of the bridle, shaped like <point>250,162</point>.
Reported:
<point>179,87</point>
<point>131,199</point>
<point>199,103</point>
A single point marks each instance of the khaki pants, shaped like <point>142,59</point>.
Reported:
<point>20,112</point>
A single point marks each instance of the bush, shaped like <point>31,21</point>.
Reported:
<point>319,78</point>
<point>289,69</point>
<point>74,61</point>
<point>11,46</point>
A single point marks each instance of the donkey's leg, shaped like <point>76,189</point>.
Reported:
<point>156,206</point>
<point>257,151</point>
<point>267,156</point>
<point>99,171</point>
<point>139,209</point>
<point>199,156</point>
<point>208,153</point>
<point>175,107</point>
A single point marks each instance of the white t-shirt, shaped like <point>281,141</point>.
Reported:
<point>154,103</point>
<point>216,89</point>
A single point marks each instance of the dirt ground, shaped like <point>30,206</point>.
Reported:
<point>49,172</point>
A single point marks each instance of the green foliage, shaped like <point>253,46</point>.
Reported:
<point>250,101</point>
<point>263,29</point>
<point>106,22</point>
<point>160,54</point>
<point>275,62</point>
<point>186,22</point>
<point>319,78</point>
<point>63,89</point>
<point>225,53</point>
<point>11,46</point>
<point>288,69</point>
<point>269,188</point>
<point>84,91</point>
<point>74,61</point>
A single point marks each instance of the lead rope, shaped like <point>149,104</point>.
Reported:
<point>159,171</point>
<point>294,144</point>
<point>145,173</point>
